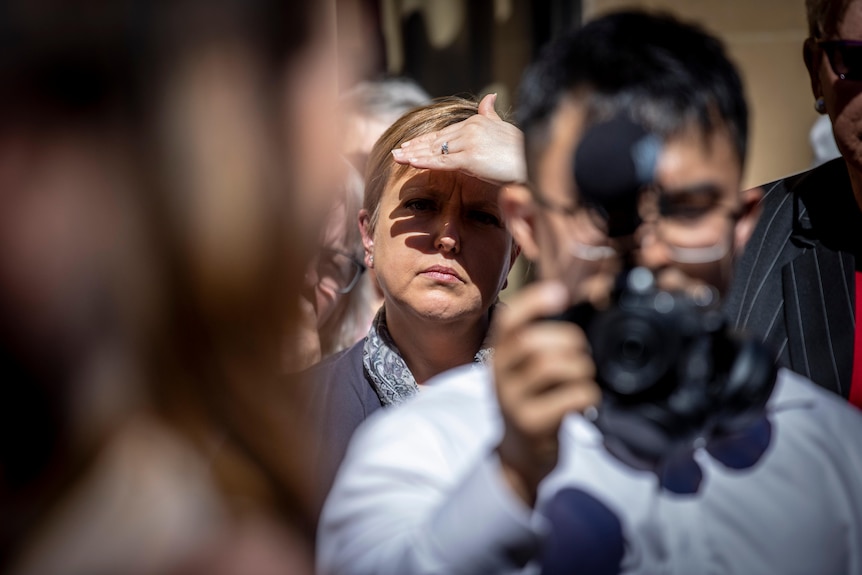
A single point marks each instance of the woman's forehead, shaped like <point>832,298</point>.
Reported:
<point>439,182</point>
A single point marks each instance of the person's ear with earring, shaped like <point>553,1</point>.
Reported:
<point>820,105</point>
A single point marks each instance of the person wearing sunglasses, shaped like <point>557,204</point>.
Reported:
<point>532,464</point>
<point>436,239</point>
<point>798,281</point>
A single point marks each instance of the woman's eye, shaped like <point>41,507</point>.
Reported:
<point>485,218</point>
<point>420,205</point>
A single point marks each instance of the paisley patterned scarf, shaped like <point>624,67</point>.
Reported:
<point>385,368</point>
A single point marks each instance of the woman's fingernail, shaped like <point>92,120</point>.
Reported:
<point>405,144</point>
<point>398,153</point>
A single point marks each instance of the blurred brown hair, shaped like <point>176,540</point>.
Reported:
<point>204,285</point>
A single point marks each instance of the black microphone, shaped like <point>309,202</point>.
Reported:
<point>615,159</point>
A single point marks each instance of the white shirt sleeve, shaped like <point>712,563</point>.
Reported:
<point>431,500</point>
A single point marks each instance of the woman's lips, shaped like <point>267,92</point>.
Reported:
<point>443,274</point>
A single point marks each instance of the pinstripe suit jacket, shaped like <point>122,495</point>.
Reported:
<point>794,284</point>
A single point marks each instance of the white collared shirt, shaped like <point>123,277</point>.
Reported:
<point>420,492</point>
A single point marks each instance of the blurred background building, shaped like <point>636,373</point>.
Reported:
<point>474,47</point>
<point>481,46</point>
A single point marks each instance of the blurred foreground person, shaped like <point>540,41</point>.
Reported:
<point>621,426</point>
<point>151,155</point>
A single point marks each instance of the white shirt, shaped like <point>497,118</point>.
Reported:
<point>420,492</point>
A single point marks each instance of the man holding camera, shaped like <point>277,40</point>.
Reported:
<point>636,437</point>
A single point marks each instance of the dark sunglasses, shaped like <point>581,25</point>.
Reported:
<point>845,58</point>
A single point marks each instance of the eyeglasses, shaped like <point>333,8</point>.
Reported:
<point>337,270</point>
<point>845,58</point>
<point>695,228</point>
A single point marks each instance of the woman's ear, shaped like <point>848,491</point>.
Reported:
<point>751,209</point>
<point>367,236</point>
<point>518,208</point>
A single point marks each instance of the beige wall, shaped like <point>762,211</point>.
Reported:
<point>764,38</point>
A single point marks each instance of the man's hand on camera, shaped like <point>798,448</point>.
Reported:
<point>543,370</point>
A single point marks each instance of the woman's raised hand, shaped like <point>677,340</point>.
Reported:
<point>484,146</point>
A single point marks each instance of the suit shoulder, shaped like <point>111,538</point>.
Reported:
<point>829,174</point>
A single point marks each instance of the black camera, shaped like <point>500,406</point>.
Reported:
<point>673,375</point>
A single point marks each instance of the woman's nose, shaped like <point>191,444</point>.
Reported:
<point>449,237</point>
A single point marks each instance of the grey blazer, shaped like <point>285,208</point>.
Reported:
<point>794,284</point>
<point>340,398</point>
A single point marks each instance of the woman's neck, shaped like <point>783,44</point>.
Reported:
<point>431,347</point>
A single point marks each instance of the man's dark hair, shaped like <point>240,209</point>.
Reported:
<point>667,74</point>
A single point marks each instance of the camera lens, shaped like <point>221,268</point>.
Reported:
<point>633,351</point>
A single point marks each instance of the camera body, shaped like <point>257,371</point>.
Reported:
<point>673,375</point>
